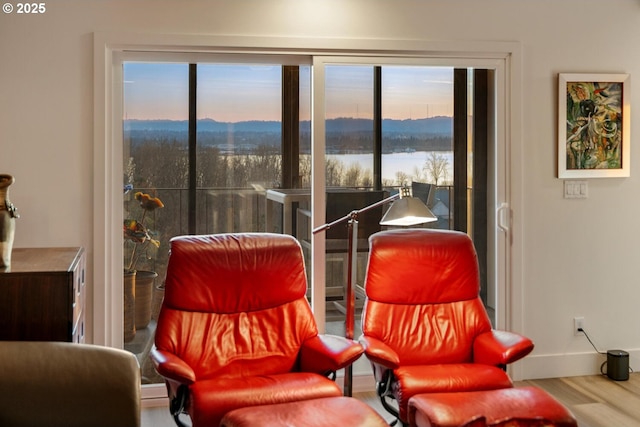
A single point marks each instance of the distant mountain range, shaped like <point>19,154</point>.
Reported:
<point>433,126</point>
<point>343,135</point>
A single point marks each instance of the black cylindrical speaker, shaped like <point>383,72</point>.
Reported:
<point>618,365</point>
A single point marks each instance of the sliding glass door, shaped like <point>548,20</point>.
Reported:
<point>285,144</point>
<point>204,150</point>
<point>387,123</point>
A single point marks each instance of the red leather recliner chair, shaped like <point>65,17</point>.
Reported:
<point>235,328</point>
<point>424,326</point>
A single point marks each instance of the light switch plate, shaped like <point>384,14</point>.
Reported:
<point>576,189</point>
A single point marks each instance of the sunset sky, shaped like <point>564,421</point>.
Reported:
<point>232,93</point>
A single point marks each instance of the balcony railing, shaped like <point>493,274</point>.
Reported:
<point>232,210</point>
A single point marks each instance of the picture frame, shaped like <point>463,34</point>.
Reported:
<point>593,125</point>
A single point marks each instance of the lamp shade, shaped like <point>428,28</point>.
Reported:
<point>407,211</point>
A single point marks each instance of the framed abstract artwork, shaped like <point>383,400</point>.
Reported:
<point>593,125</point>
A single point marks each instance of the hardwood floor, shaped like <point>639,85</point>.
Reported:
<point>595,400</point>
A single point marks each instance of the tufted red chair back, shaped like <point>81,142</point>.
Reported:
<point>422,289</point>
<point>235,304</point>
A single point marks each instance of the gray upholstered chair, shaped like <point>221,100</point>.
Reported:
<point>59,384</point>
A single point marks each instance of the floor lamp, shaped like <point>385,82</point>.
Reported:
<point>405,211</point>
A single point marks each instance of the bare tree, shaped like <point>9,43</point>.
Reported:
<point>334,172</point>
<point>436,165</point>
<point>402,178</point>
<point>418,174</point>
<point>353,175</point>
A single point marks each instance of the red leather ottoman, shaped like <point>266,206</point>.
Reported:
<point>325,412</point>
<point>507,407</point>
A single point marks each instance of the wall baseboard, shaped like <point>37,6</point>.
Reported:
<point>570,364</point>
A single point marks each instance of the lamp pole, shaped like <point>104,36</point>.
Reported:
<point>409,214</point>
<point>349,318</point>
<point>352,250</point>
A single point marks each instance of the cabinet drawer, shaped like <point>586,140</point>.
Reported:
<point>42,296</point>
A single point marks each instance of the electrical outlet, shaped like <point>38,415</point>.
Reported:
<point>578,324</point>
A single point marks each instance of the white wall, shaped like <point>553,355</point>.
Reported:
<point>579,255</point>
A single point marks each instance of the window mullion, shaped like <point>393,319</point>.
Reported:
<point>377,127</point>
<point>460,149</point>
<point>290,126</point>
<point>193,118</point>
<point>480,172</point>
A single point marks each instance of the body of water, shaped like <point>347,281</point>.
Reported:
<point>410,163</point>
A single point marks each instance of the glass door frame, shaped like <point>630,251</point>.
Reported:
<point>505,212</point>
<point>498,255</point>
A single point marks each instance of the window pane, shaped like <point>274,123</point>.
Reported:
<point>239,132</point>
<point>349,177</point>
<point>238,157</point>
<point>349,126</point>
<point>155,141</point>
<point>417,108</point>
<point>417,134</point>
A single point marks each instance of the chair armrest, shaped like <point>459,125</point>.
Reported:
<point>380,353</point>
<point>500,348</point>
<point>172,367</point>
<point>328,353</point>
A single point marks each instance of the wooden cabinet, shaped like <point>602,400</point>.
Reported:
<point>42,296</point>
